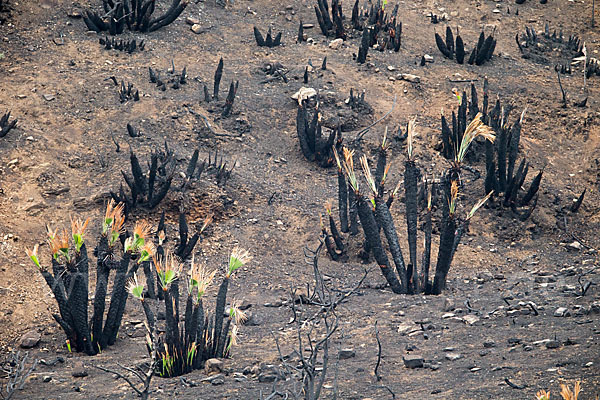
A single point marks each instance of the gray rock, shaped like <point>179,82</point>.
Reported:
<point>46,378</point>
<point>453,356</point>
<point>213,378</point>
<point>269,373</point>
<point>448,304</point>
<point>48,97</point>
<point>30,339</point>
<point>346,353</point>
<point>218,381</point>
<point>79,371</point>
<point>239,377</point>
<point>267,377</point>
<point>489,343</point>
<point>413,361</point>
<point>213,365</point>
<point>553,344</point>
<point>561,312</point>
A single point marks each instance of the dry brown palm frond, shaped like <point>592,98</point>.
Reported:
<point>568,394</point>
<point>410,135</point>
<point>475,129</point>
<point>368,176</point>
<point>478,205</point>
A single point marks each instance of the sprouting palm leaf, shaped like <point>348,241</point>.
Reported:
<point>237,259</point>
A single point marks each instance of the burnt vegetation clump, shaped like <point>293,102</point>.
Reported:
<point>268,40</point>
<point>454,49</point>
<point>6,124</point>
<point>549,48</point>
<point>171,78</point>
<point>136,15</point>
<point>501,155</point>
<point>128,46</point>
<point>380,30</point>
<point>225,108</point>
<point>370,209</point>
<point>68,278</point>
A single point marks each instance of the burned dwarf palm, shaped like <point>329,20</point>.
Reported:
<point>549,48</point>
<point>313,144</point>
<point>501,176</point>
<point>455,48</point>
<point>267,41</point>
<point>6,125</point>
<point>147,189</point>
<point>69,278</point>
<point>127,93</point>
<point>374,214</point>
<point>136,15</point>
<point>501,155</point>
<point>331,24</point>
<point>171,78</point>
<point>224,108</point>
<point>128,46</point>
<point>196,336</point>
<point>379,29</point>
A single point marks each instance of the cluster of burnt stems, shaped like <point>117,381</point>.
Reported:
<point>267,41</point>
<point>149,189</point>
<point>233,87</point>
<point>500,157</point>
<point>174,80</point>
<point>136,15</point>
<point>69,283</point>
<point>196,329</point>
<point>128,46</point>
<point>530,41</point>
<point>373,215</point>
<point>196,336</point>
<point>6,125</point>
<point>314,145</point>
<point>503,185</point>
<point>126,92</point>
<point>378,28</point>
<point>455,49</point>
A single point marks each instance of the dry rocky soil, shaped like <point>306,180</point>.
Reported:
<point>512,319</point>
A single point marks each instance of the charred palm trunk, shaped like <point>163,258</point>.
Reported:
<point>371,231</point>
<point>444,254</point>
<point>386,222</point>
<point>109,334</point>
<point>410,187</point>
<point>219,311</point>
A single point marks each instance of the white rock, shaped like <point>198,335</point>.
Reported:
<point>303,94</point>
<point>336,44</point>
<point>410,78</point>
<point>470,319</point>
<point>561,312</point>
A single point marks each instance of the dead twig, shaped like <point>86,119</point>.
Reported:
<point>362,132</point>
<point>564,95</point>
<point>17,373</point>
<point>513,385</point>
<point>377,376</point>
